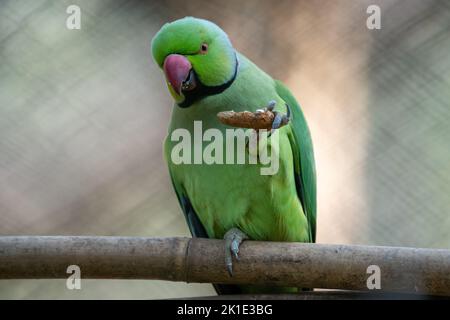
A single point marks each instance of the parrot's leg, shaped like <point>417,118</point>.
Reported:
<point>233,239</point>
<point>281,119</point>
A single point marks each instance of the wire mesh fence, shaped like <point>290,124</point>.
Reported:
<point>83,114</point>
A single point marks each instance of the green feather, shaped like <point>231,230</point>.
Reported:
<point>305,167</point>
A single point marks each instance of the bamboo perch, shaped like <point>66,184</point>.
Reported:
<point>409,270</point>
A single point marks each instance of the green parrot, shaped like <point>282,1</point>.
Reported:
<point>206,75</point>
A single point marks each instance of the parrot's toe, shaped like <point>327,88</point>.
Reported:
<point>233,239</point>
<point>271,105</point>
<point>281,119</point>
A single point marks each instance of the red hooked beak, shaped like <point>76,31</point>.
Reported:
<point>177,70</point>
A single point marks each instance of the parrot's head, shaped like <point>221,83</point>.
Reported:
<point>197,59</point>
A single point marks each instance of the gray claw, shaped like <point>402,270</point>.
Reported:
<point>233,239</point>
<point>235,248</point>
<point>230,268</point>
<point>281,119</point>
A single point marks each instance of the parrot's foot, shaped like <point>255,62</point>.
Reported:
<point>270,106</point>
<point>233,239</point>
<point>281,119</point>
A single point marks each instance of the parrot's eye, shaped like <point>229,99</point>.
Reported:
<point>204,48</point>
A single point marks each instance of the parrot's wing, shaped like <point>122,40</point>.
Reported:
<point>302,149</point>
<point>195,226</point>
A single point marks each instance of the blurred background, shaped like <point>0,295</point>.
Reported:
<point>83,114</point>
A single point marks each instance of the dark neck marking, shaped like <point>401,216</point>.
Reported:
<point>202,91</point>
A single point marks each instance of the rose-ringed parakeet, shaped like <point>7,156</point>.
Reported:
<point>206,75</point>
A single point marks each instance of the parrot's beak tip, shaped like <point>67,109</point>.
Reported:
<point>179,73</point>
